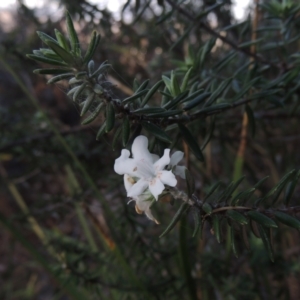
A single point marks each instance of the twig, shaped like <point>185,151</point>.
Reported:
<point>218,35</point>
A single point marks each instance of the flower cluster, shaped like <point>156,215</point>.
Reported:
<point>145,174</point>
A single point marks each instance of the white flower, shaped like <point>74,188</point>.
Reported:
<point>147,168</point>
<point>176,157</point>
<point>143,202</point>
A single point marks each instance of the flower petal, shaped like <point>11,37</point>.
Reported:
<point>180,171</point>
<point>124,164</point>
<point>176,157</point>
<point>138,188</point>
<point>156,187</point>
<point>155,157</point>
<point>140,150</point>
<point>144,205</point>
<point>163,161</point>
<point>128,182</point>
<point>167,177</point>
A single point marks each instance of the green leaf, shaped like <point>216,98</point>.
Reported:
<point>259,183</point>
<point>151,93</point>
<point>157,132</point>
<point>250,43</point>
<point>166,113</point>
<point>142,86</point>
<point>79,91</point>
<point>102,68</point>
<point>279,187</point>
<point>75,45</point>
<point>175,101</point>
<point>266,238</point>
<point>246,88</point>
<point>91,67</point>
<point>61,52</point>
<point>47,60</point>
<point>110,117</point>
<point>207,208</point>
<point>62,41</point>
<point>190,140</point>
<point>182,37</point>
<point>134,96</point>
<point>125,130</point>
<point>93,115</point>
<point>87,104</point>
<point>261,219</point>
<point>236,216</point>
<point>174,85</point>
<point>101,131</point>
<point>190,183</point>
<point>216,227</point>
<point>213,109</point>
<point>197,222</point>
<point>212,189</point>
<point>53,71</point>
<point>245,195</point>
<point>183,207</point>
<point>233,243</point>
<point>287,219</point>
<point>186,79</point>
<point>164,17</point>
<point>116,137</point>
<point>290,189</point>
<point>94,42</point>
<point>218,91</point>
<point>45,37</point>
<point>198,100</point>
<point>168,84</point>
<point>148,110</point>
<point>59,78</point>
<point>209,134</point>
<point>225,61</point>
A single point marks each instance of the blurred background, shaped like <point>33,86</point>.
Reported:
<point>37,171</point>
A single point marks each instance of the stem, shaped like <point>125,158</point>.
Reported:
<point>184,260</point>
<point>75,188</point>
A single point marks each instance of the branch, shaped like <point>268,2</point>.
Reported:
<point>218,35</point>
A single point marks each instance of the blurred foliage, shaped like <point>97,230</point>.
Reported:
<point>189,76</point>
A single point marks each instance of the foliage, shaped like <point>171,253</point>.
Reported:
<point>222,93</point>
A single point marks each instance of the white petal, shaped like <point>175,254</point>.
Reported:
<point>163,161</point>
<point>128,182</point>
<point>167,177</point>
<point>176,157</point>
<point>124,164</point>
<point>155,157</point>
<point>138,188</point>
<point>140,150</point>
<point>180,171</point>
<point>156,187</point>
<point>144,169</point>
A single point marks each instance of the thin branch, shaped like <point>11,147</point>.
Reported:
<point>218,35</point>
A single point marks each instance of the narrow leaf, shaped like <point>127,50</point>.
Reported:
<point>190,140</point>
<point>101,131</point>
<point>261,219</point>
<point>236,216</point>
<point>176,218</point>
<point>110,117</point>
<point>151,93</point>
<point>125,131</point>
<point>287,219</point>
<point>93,115</point>
<point>75,46</point>
<point>87,104</point>
<point>190,183</point>
<point>157,132</point>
